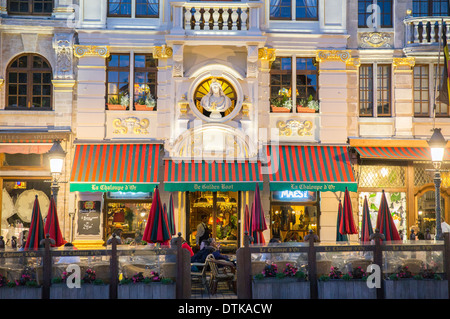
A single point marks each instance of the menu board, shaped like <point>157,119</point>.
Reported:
<point>89,217</point>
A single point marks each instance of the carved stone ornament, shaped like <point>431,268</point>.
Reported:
<point>63,46</point>
<point>162,52</point>
<point>295,127</point>
<point>91,50</point>
<point>130,125</point>
<point>266,54</point>
<point>407,61</point>
<point>333,55</point>
<point>375,40</point>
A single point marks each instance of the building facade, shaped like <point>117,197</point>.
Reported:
<point>196,98</point>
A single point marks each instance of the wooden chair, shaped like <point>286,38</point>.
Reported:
<point>201,274</point>
<point>323,267</point>
<point>169,270</point>
<point>228,274</point>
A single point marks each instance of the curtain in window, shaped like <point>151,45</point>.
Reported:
<point>114,6</point>
<point>311,6</point>
<point>275,8</point>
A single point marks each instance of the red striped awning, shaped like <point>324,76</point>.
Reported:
<point>115,167</point>
<point>214,176</point>
<point>399,153</point>
<point>313,168</point>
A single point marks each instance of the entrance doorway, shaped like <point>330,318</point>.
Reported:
<point>222,209</point>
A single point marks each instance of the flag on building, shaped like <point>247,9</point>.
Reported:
<point>444,90</point>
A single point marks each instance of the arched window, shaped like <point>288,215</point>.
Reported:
<point>29,83</point>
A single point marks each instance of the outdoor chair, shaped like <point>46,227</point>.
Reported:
<point>363,263</point>
<point>169,271</point>
<point>323,267</point>
<point>102,272</point>
<point>228,274</point>
<point>129,270</point>
<point>258,267</point>
<point>414,265</point>
<point>201,274</point>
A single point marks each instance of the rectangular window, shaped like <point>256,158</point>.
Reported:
<point>303,10</point>
<point>145,75</point>
<point>384,90</point>
<point>366,90</point>
<point>424,8</point>
<point>280,79</point>
<point>117,77</point>
<point>441,108</point>
<point>35,7</point>
<point>375,12</point>
<point>142,8</point>
<point>306,78</point>
<point>421,90</point>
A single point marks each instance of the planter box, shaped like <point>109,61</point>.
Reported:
<point>20,293</point>
<point>116,107</point>
<point>276,109</point>
<point>87,291</point>
<point>154,290</point>
<point>274,288</point>
<point>415,289</point>
<point>301,109</point>
<point>346,289</point>
<point>140,107</point>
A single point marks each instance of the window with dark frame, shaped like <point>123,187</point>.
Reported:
<point>147,8</point>
<point>145,76</point>
<point>385,11</point>
<point>117,77</point>
<point>424,8</point>
<point>34,7</point>
<point>307,79</point>
<point>421,90</point>
<point>29,83</point>
<point>119,8</point>
<point>384,90</point>
<point>442,109</point>
<point>280,76</point>
<point>304,9</point>
<point>366,90</point>
<point>143,8</point>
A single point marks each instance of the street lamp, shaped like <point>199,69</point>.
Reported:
<point>437,144</point>
<point>56,156</point>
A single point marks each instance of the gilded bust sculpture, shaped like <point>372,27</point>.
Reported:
<point>215,101</point>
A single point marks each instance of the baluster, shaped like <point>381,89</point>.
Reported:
<point>188,19</point>
<point>432,31</point>
<point>197,17</point>
<point>234,17</point>
<point>216,16</point>
<point>416,32</point>
<point>440,31</point>
<point>244,16</point>
<point>207,16</point>
<point>447,28</point>
<point>225,18</point>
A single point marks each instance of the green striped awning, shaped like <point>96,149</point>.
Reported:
<point>399,153</point>
<point>115,167</point>
<point>312,168</point>
<point>213,176</point>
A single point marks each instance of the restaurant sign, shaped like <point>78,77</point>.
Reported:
<point>112,187</point>
<point>212,187</point>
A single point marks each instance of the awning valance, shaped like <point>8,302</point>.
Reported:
<point>115,167</point>
<point>399,153</point>
<point>313,168</point>
<point>190,175</point>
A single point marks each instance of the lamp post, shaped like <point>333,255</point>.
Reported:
<point>437,145</point>
<point>56,157</point>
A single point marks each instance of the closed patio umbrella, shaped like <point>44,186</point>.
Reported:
<point>51,226</point>
<point>257,219</point>
<point>347,224</point>
<point>339,236</point>
<point>366,224</point>
<point>171,216</point>
<point>385,223</point>
<point>157,228</point>
<point>36,231</point>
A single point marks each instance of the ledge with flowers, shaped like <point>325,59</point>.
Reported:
<point>152,286</point>
<point>351,285</point>
<point>20,288</point>
<point>426,283</point>
<point>287,283</point>
<point>282,103</point>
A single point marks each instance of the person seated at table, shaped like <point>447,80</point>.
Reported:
<point>200,256</point>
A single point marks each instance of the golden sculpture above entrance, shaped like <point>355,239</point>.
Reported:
<point>215,97</point>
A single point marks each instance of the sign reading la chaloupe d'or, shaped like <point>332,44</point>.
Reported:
<point>88,218</point>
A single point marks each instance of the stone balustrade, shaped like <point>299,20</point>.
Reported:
<point>426,30</point>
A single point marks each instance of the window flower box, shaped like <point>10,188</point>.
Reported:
<point>302,109</point>
<point>116,106</point>
<point>416,289</point>
<point>153,290</point>
<point>275,288</point>
<point>143,107</point>
<point>345,289</point>
<point>20,292</point>
<point>279,109</point>
<point>86,291</point>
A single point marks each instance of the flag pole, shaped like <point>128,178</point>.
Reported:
<point>440,37</point>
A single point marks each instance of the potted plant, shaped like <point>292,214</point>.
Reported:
<point>281,104</point>
<point>145,104</point>
<point>308,105</point>
<point>26,287</point>
<point>289,284</point>
<point>120,103</point>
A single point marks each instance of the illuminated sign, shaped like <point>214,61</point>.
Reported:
<point>294,196</point>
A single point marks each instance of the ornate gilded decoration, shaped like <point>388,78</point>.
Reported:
<point>301,128</point>
<point>91,50</point>
<point>203,90</point>
<point>162,52</point>
<point>183,105</point>
<point>333,55</point>
<point>407,61</point>
<point>353,62</point>
<point>266,54</point>
<point>130,125</point>
<point>375,40</point>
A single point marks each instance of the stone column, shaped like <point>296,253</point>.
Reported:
<point>90,115</point>
<point>403,98</point>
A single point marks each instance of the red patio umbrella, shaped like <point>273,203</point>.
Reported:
<point>366,224</point>
<point>157,228</point>
<point>339,236</point>
<point>347,224</point>
<point>51,226</point>
<point>385,223</point>
<point>257,220</point>
<point>36,231</point>
<point>247,220</point>
<point>171,216</point>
